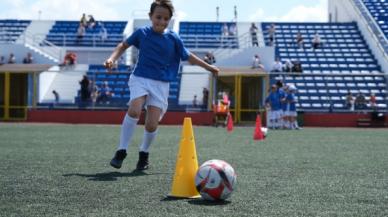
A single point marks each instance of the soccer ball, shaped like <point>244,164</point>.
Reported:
<point>265,131</point>
<point>215,180</point>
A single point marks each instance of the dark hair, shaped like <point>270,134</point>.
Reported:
<point>279,83</point>
<point>162,3</point>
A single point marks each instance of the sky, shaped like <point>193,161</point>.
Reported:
<point>187,10</point>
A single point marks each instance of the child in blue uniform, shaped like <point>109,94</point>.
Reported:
<point>291,108</point>
<point>160,53</point>
<point>273,103</point>
<point>282,89</point>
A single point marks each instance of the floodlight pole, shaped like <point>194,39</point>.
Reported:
<point>235,13</point>
<point>217,13</point>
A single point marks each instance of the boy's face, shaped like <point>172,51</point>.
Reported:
<point>160,19</point>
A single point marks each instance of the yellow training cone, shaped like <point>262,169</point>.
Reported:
<point>186,165</point>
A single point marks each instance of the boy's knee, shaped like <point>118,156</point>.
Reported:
<point>151,127</point>
<point>134,114</point>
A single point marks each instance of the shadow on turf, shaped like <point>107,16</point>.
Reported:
<point>110,176</point>
<point>197,201</point>
<point>208,202</point>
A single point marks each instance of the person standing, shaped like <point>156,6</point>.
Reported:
<point>271,34</point>
<point>85,91</point>
<point>253,30</point>
<point>160,54</point>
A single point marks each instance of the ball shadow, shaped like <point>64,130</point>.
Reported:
<point>203,202</point>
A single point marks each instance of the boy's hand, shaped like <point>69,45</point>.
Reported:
<point>214,70</point>
<point>108,63</point>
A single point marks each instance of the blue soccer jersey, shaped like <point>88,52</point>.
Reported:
<point>282,95</point>
<point>274,100</point>
<point>291,102</point>
<point>159,54</point>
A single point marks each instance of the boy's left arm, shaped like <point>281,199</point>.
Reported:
<point>193,59</point>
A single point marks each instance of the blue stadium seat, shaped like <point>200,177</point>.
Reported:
<point>344,51</point>
<point>379,11</point>
<point>118,83</point>
<point>63,33</point>
<point>10,30</point>
<point>206,35</point>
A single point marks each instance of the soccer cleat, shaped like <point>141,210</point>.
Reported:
<point>117,160</point>
<point>142,164</point>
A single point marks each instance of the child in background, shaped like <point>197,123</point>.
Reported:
<point>274,108</point>
<point>160,53</point>
<point>291,108</point>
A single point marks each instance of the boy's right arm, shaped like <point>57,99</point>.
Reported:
<point>119,50</point>
<point>193,59</point>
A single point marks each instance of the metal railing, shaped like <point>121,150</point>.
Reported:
<point>373,26</point>
<point>90,40</point>
<point>244,40</point>
<point>35,41</point>
<point>209,41</point>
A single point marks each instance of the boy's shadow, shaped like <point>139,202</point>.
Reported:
<point>110,176</point>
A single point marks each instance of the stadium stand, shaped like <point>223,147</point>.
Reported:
<point>379,10</point>
<point>64,33</point>
<point>118,80</point>
<point>343,63</point>
<point>10,30</point>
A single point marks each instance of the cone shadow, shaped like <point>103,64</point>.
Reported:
<point>168,198</point>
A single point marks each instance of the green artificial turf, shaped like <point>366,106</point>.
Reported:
<point>63,170</point>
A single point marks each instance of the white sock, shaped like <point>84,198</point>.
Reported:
<point>277,123</point>
<point>127,129</point>
<point>286,124</point>
<point>296,124</point>
<point>148,138</point>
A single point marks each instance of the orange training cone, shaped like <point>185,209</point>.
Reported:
<point>183,185</point>
<point>258,134</point>
<point>229,126</point>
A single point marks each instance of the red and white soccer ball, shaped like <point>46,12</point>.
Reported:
<point>265,131</point>
<point>215,180</point>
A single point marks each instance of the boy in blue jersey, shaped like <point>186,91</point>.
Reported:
<point>291,108</point>
<point>282,88</point>
<point>273,103</point>
<point>160,53</point>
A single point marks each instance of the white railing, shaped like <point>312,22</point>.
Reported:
<point>209,41</point>
<point>35,41</point>
<point>373,26</point>
<point>89,40</point>
<point>245,41</point>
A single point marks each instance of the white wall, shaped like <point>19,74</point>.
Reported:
<point>92,56</point>
<point>45,80</point>
<point>20,52</point>
<point>194,79</point>
<point>245,57</point>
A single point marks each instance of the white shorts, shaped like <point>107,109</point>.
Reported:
<point>275,115</point>
<point>291,113</point>
<point>156,92</point>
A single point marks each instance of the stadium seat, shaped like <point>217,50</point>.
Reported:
<point>63,33</point>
